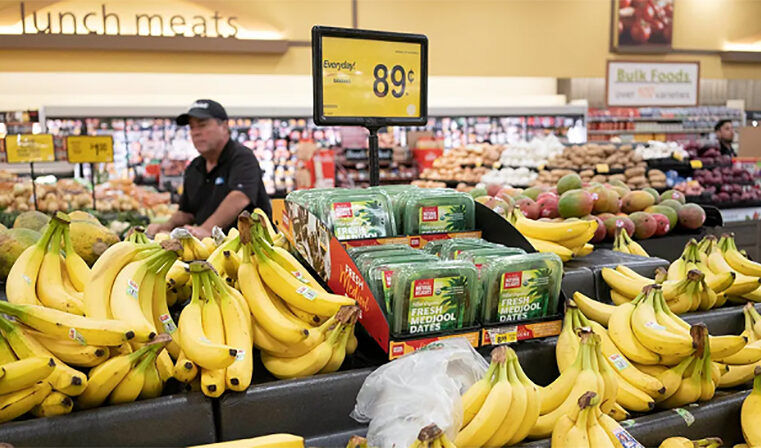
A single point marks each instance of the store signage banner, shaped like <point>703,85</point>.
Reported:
<point>652,83</point>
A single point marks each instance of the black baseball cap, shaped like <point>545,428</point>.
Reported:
<point>202,109</point>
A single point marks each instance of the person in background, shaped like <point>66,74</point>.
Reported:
<point>725,133</point>
<point>221,182</point>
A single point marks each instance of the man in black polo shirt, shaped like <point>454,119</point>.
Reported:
<point>221,182</point>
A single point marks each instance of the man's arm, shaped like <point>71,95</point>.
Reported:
<point>227,212</point>
<point>178,219</point>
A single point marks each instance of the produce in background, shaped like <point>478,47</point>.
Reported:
<point>32,220</point>
<point>466,164</point>
<point>683,442</point>
<point>584,425</point>
<point>502,407</point>
<point>750,413</point>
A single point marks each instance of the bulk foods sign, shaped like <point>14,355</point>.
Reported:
<point>105,29</point>
<point>652,83</point>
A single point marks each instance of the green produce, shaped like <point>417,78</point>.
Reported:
<point>575,204</point>
<point>675,195</point>
<point>665,210</point>
<point>91,240</point>
<point>12,243</point>
<point>672,203</point>
<point>569,182</point>
<point>32,220</point>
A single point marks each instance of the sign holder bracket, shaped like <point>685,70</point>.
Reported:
<point>92,181</point>
<point>34,184</point>
<point>372,149</point>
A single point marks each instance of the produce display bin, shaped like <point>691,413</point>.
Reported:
<point>170,421</point>
<point>310,407</point>
<point>605,258</point>
<point>578,279</point>
<point>724,320</point>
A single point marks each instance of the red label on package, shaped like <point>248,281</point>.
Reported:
<point>430,214</point>
<point>387,276</point>
<point>342,209</point>
<point>423,288</point>
<point>511,280</point>
<point>415,242</point>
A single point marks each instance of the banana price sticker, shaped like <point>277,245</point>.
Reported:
<point>90,148</point>
<point>29,148</point>
<point>370,78</point>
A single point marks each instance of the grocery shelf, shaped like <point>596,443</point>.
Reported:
<point>633,131</point>
<point>593,119</point>
<point>183,419</point>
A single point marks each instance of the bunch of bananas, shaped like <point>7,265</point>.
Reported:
<point>589,371</point>
<point>268,441</point>
<point>502,407</point>
<point>585,425</point>
<point>50,273</point>
<point>701,278</point>
<point>750,413</point>
<point>738,368</point>
<point>300,328</point>
<point>655,343</point>
<point>215,335</point>
<point>683,442</point>
<point>566,239</point>
<point>192,247</point>
<point>624,244</point>
<point>429,437</point>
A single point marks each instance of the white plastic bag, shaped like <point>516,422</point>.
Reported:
<point>423,387</point>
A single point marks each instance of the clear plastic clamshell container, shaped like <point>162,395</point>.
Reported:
<point>520,287</point>
<point>434,297</point>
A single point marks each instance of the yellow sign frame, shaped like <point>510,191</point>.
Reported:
<point>90,148</point>
<point>29,148</point>
<point>376,78</point>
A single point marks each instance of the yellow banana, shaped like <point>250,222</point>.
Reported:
<point>688,392</point>
<point>554,394</point>
<point>193,340</point>
<point>550,231</point>
<point>749,354</point>
<point>76,268</point>
<point>672,378</point>
<point>597,311</point>
<point>492,413</point>
<point>567,346</point>
<point>153,384</point>
<point>620,332</point>
<point>578,241</point>
<point>474,397</point>
<point>653,335</point>
<point>50,289</point>
<point>21,284</point>
<point>304,365</point>
<point>98,291</point>
<point>185,370</point>
<point>64,325</point>
<point>25,373</point>
<point>738,375</point>
<point>264,310</point>
<point>269,441</point>
<point>738,261</point>
<point>578,435</point>
<point>212,380</point>
<point>544,246</point>
<point>6,353</point>
<point>532,408</point>
<point>517,409</point>
<point>564,424</point>
<point>20,402</point>
<point>727,345</point>
<point>53,405</point>
<point>339,349</point>
<point>129,388</point>
<point>70,352</point>
<point>750,413</point>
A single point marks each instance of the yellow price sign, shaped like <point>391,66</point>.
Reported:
<point>696,164</point>
<point>29,148</point>
<point>602,168</point>
<point>370,78</point>
<point>90,148</point>
<point>362,75</point>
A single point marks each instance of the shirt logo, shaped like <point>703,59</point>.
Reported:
<point>219,181</point>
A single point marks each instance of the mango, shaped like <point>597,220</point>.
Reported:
<point>667,211</point>
<point>32,220</point>
<point>691,216</point>
<point>90,240</point>
<point>636,201</point>
<point>575,203</point>
<point>644,225</point>
<point>12,243</point>
<point>569,182</point>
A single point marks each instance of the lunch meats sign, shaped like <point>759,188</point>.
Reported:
<point>652,83</point>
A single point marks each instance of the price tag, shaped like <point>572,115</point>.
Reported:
<point>90,148</point>
<point>678,156</point>
<point>602,168</point>
<point>28,148</point>
<point>696,164</point>
<point>540,167</point>
<point>363,76</point>
<point>496,165</point>
<point>506,337</point>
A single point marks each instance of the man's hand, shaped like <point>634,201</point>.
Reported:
<point>153,229</point>
<point>198,231</point>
